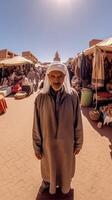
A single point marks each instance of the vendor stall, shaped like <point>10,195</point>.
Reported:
<point>16,60</point>
<point>11,74</point>
<point>93,67</point>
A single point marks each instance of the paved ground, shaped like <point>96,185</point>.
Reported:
<point>20,171</point>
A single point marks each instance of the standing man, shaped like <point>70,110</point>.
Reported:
<point>31,75</point>
<point>36,79</point>
<point>57,129</point>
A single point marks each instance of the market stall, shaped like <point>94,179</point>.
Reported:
<point>94,69</point>
<point>16,60</point>
<point>95,65</point>
<point>11,73</point>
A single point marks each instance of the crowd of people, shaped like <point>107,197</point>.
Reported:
<point>22,76</point>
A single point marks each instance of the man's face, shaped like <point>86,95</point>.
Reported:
<point>56,79</point>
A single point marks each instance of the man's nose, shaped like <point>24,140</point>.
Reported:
<point>56,79</point>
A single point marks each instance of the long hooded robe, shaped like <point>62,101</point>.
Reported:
<point>57,139</point>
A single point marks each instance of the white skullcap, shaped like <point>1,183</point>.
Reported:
<point>57,66</point>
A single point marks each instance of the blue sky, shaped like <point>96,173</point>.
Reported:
<point>44,26</point>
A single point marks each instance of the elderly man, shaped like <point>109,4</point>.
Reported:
<point>57,129</point>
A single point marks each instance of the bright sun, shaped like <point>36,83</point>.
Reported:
<point>63,1</point>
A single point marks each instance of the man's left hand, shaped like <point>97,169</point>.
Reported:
<point>76,151</point>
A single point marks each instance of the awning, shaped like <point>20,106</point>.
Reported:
<point>16,60</point>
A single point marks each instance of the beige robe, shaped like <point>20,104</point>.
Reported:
<point>57,141</point>
<point>98,74</point>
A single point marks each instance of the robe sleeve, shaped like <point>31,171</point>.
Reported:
<point>36,131</point>
<point>78,128</point>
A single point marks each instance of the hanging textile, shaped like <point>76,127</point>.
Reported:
<point>98,69</point>
<point>86,69</point>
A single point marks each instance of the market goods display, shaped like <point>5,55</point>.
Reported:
<point>86,97</point>
<point>20,95</point>
<point>94,115</point>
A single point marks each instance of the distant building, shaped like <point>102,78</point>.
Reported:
<point>5,53</point>
<point>94,42</point>
<point>56,57</point>
<point>28,55</point>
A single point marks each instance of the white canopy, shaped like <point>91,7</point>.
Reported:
<point>16,60</point>
<point>105,45</point>
<point>98,51</point>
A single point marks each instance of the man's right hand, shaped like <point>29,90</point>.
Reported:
<point>38,155</point>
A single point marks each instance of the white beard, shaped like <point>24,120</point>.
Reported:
<point>56,89</point>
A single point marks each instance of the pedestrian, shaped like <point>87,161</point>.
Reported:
<point>57,129</point>
<point>70,71</point>
<point>36,79</point>
<point>31,75</point>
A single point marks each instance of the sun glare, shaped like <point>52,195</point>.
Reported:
<point>63,1</point>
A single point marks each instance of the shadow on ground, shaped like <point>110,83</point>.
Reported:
<point>104,131</point>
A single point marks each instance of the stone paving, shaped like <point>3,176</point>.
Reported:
<point>20,171</point>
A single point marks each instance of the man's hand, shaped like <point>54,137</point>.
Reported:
<point>38,155</point>
<point>76,151</point>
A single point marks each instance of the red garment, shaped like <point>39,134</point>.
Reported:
<point>3,105</point>
<point>104,94</point>
<point>16,88</point>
